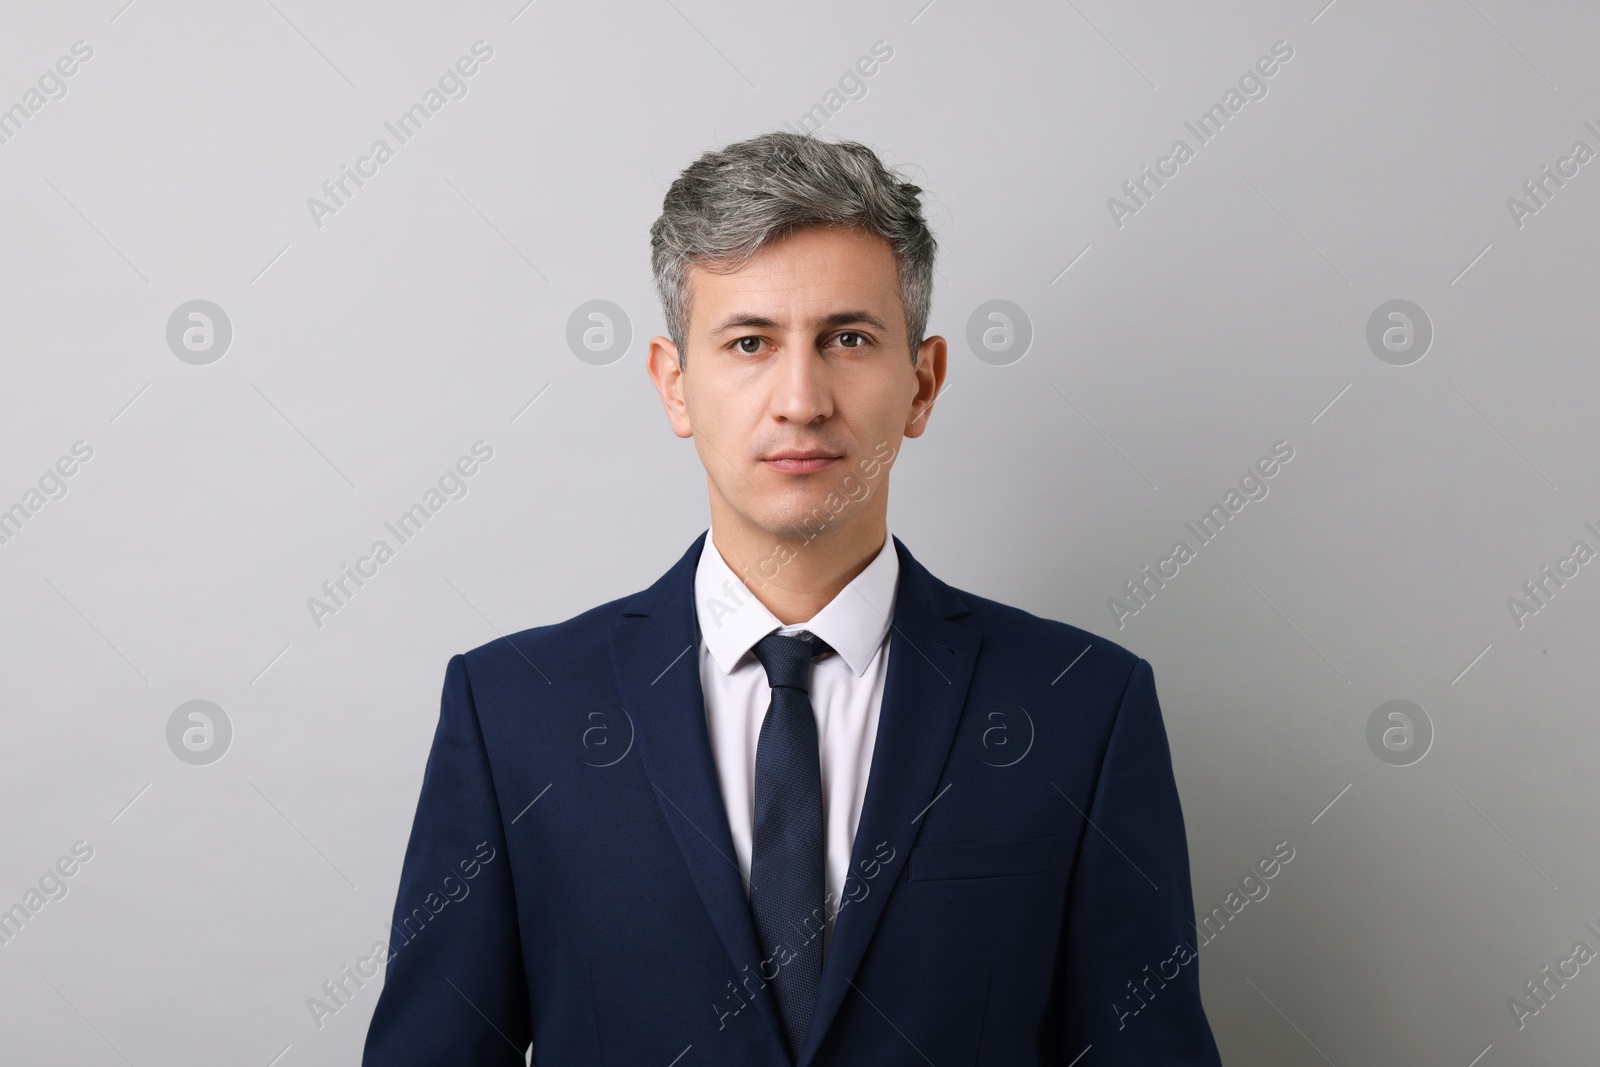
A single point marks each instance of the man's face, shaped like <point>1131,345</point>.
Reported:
<point>802,350</point>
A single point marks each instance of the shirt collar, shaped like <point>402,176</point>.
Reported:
<point>854,623</point>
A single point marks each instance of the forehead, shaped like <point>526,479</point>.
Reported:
<point>807,275</point>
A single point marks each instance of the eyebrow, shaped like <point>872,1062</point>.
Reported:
<point>749,320</point>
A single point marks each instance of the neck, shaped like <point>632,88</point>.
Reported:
<point>795,577</point>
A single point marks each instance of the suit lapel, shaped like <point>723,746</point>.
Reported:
<point>656,663</point>
<point>930,669</point>
<point>657,668</point>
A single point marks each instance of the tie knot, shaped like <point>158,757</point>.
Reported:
<point>788,659</point>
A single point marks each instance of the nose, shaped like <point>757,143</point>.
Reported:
<point>802,389</point>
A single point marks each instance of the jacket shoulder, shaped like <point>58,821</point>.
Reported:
<point>1012,632</point>
<point>548,650</point>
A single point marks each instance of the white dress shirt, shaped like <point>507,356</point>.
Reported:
<point>846,695</point>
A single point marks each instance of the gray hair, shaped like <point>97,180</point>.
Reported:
<point>729,204</point>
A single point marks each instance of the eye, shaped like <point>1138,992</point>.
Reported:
<point>739,345</point>
<point>860,337</point>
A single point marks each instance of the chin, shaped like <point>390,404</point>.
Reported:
<point>788,521</point>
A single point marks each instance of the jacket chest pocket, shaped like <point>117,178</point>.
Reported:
<point>982,859</point>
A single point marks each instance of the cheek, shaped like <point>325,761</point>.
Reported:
<point>880,407</point>
<point>726,427</point>
<point>732,401</point>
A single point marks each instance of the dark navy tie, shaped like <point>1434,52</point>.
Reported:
<point>787,857</point>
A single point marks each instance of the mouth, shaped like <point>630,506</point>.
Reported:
<point>801,461</point>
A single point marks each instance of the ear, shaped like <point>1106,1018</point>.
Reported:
<point>929,371</point>
<point>662,364</point>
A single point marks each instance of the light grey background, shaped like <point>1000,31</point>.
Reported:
<point>1168,355</point>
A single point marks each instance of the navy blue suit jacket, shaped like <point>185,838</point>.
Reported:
<point>1019,889</point>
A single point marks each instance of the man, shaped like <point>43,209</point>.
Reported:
<point>798,802</point>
